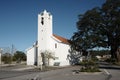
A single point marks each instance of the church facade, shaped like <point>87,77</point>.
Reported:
<point>47,41</point>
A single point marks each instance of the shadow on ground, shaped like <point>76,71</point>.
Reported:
<point>104,65</point>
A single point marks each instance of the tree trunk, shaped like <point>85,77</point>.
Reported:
<point>48,62</point>
<point>113,52</point>
<point>118,54</point>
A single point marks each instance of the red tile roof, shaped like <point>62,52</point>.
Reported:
<point>63,40</point>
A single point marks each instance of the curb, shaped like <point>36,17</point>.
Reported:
<point>22,69</point>
<point>109,76</point>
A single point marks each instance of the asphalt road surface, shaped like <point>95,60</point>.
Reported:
<point>113,70</point>
<point>8,73</point>
<point>59,74</point>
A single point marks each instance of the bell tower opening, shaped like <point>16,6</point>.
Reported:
<point>42,21</point>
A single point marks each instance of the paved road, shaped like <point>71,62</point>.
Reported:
<point>113,70</point>
<point>9,73</point>
<point>60,74</point>
<point>115,74</point>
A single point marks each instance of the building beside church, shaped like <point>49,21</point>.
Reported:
<point>47,41</point>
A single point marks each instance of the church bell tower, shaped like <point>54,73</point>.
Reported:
<point>44,31</point>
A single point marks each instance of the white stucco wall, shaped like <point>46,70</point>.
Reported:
<point>30,56</point>
<point>61,52</point>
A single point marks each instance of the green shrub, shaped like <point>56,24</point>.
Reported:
<point>89,66</point>
<point>7,58</point>
<point>19,56</point>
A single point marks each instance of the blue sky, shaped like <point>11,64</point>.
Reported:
<point>18,19</point>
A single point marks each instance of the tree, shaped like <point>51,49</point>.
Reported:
<point>46,56</point>
<point>7,58</point>
<point>99,27</point>
<point>19,56</point>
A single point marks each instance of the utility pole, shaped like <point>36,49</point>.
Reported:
<point>12,49</point>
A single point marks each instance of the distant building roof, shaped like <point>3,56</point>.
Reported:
<point>63,40</point>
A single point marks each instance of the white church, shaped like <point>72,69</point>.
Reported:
<point>47,41</point>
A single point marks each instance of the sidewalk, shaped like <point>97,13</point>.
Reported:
<point>15,67</point>
<point>24,68</point>
<point>12,64</point>
<point>5,65</point>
